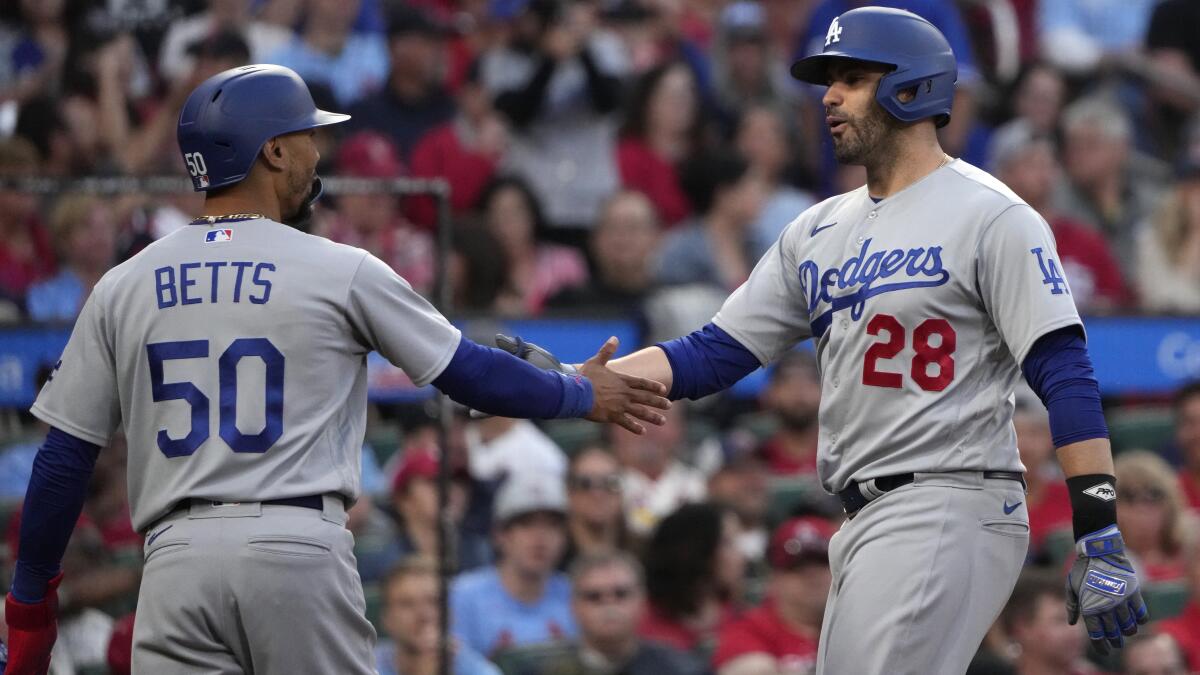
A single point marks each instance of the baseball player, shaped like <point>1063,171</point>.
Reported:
<point>927,292</point>
<point>233,353</point>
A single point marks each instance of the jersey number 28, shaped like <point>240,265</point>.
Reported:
<point>228,386</point>
<point>928,356</point>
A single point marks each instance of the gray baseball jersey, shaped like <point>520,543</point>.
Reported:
<point>922,307</point>
<point>235,354</point>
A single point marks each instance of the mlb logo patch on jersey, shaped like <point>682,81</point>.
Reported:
<point>216,236</point>
<point>203,181</point>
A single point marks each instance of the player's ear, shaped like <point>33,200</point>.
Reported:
<point>274,154</point>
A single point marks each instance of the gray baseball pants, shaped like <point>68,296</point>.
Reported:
<point>920,574</point>
<point>241,589</point>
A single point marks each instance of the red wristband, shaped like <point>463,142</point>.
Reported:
<point>33,616</point>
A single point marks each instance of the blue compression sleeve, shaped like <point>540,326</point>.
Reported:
<point>57,488</point>
<point>705,362</point>
<point>495,382</point>
<point>1060,373</point>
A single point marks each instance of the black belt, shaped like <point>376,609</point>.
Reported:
<point>853,499</point>
<point>307,501</point>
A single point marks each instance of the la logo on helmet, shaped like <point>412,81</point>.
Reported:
<point>835,32</point>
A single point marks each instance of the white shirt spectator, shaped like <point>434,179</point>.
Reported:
<point>520,449</point>
<point>648,500</point>
<point>175,63</point>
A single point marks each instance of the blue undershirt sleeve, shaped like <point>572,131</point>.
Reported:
<point>57,489</point>
<point>495,382</point>
<point>1060,372</point>
<point>705,362</point>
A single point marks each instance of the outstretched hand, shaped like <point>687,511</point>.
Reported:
<point>622,399</point>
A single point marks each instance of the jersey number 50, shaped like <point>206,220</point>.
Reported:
<point>228,386</point>
<point>939,355</point>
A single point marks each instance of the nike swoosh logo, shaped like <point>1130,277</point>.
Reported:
<point>1009,509</point>
<point>815,230</point>
<point>150,541</point>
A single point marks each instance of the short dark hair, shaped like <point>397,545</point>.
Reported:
<point>680,559</point>
<point>704,175</point>
<point>1033,585</point>
<point>637,103</point>
<point>509,182</point>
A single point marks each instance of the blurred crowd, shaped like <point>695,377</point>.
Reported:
<point>632,158</point>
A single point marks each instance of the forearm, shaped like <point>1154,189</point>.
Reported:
<point>650,363</point>
<point>53,503</point>
<point>1093,456</point>
<point>498,383</point>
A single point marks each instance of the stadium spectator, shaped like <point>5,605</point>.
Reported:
<point>413,100</point>
<point>623,246</point>
<point>595,520</point>
<point>716,247</point>
<point>415,500</point>
<point>376,545</point>
<point>654,480</point>
<point>1046,497</point>
<point>329,52</point>
<point>661,129</point>
<point>1151,510</point>
<point>1168,242</point>
<point>1108,186</point>
<point>176,57</point>
<point>1035,620</point>
<point>373,221</point>
<point>792,396</point>
<point>410,618</point>
<point>26,253</point>
<point>499,447</point>
<point>1150,653</point>
<point>780,636</point>
<point>142,143</point>
<point>765,140</point>
<point>477,275</point>
<point>35,50</point>
<point>1187,438</point>
<point>1037,102</point>
<point>1026,164</point>
<point>464,151</point>
<point>1185,627</point>
<point>740,484</point>
<point>1077,35</point>
<point>607,599</point>
<point>537,269</point>
<point>521,599</point>
<point>557,82</point>
<point>1173,89</point>
<point>747,71</point>
<point>85,235</point>
<point>693,578</point>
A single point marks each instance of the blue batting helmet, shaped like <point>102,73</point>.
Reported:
<point>915,50</point>
<point>228,118</point>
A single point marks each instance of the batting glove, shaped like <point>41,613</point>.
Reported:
<point>534,354</point>
<point>1103,587</point>
<point>527,351</point>
<point>32,630</point>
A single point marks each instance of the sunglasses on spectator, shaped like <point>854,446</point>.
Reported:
<point>610,483</point>
<point>596,596</point>
<point>1147,496</point>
